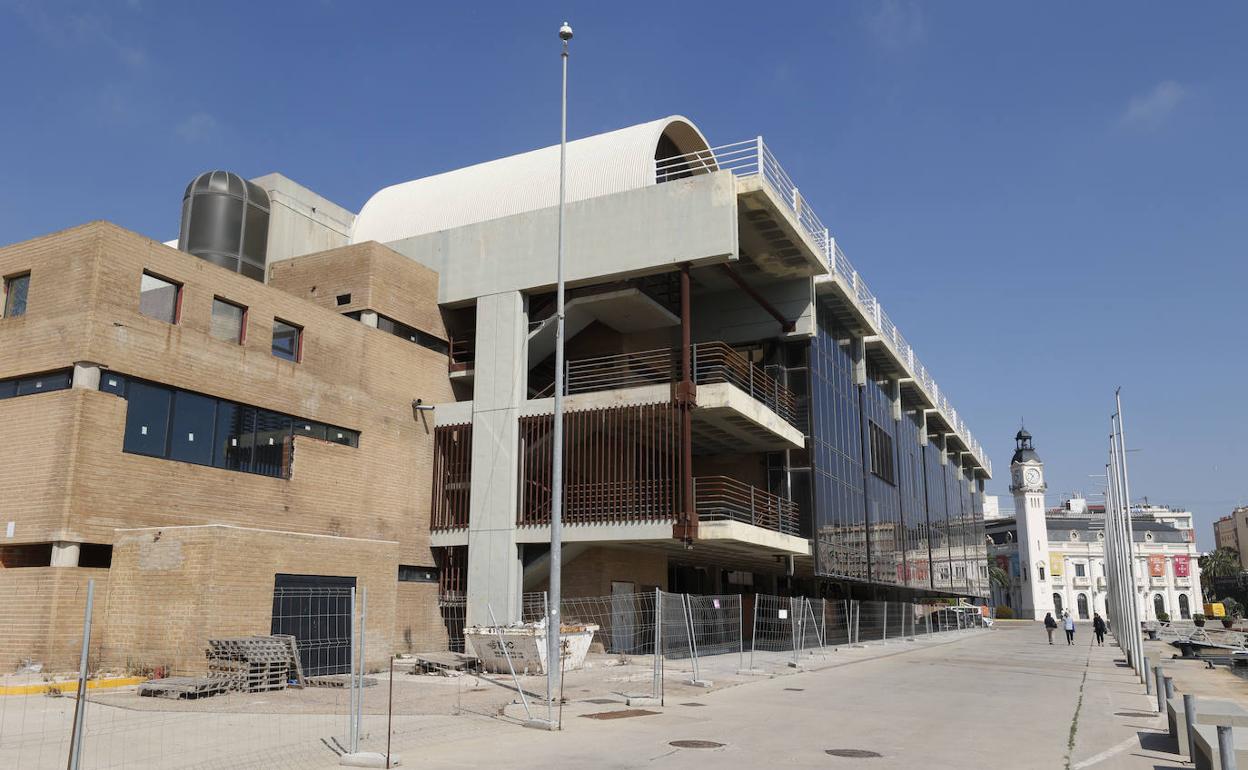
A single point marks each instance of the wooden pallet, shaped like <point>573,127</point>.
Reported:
<point>253,663</point>
<point>183,687</point>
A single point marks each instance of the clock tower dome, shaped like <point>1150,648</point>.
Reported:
<point>1028,485</point>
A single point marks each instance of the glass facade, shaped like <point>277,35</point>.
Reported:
<point>885,508</point>
<point>194,428</point>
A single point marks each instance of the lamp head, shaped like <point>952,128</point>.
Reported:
<point>565,32</point>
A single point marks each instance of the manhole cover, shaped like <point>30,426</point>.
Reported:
<point>695,744</point>
<point>622,714</point>
<point>794,689</point>
<point>853,753</point>
<point>1136,714</point>
<point>601,701</point>
<point>693,704</point>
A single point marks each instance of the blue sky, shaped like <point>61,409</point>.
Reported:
<point>1050,199</point>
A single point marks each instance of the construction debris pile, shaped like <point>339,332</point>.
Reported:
<point>244,664</point>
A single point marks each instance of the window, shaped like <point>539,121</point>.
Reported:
<point>15,289</point>
<point>287,340</point>
<point>147,419</point>
<point>1185,609</point>
<point>343,299</point>
<point>160,299</point>
<point>1057,603</point>
<point>229,321</point>
<point>194,417</point>
<point>882,454</point>
<point>410,574</point>
<point>1082,602</point>
<point>37,383</point>
<point>1080,570</point>
<point>409,333</point>
<point>1040,572</point>
<point>191,427</point>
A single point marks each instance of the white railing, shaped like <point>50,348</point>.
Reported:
<point>752,158</point>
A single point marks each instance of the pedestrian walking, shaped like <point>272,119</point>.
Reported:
<point>1069,625</point>
<point>1098,628</point>
<point>1050,625</point>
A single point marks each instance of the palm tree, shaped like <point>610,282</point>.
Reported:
<point>999,577</point>
<point>1222,563</point>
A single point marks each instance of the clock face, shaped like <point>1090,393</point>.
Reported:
<point>1033,476</point>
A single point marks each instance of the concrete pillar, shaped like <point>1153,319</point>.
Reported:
<point>894,395</point>
<point>369,318</point>
<point>494,566</point>
<point>922,413</point>
<point>86,376</point>
<point>858,353</point>
<point>64,553</point>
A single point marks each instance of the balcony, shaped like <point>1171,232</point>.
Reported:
<point>739,406</point>
<point>760,174</point>
<point>719,498</point>
<point>1081,581</point>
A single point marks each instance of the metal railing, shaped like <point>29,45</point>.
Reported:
<point>752,158</point>
<point>719,498</point>
<point>462,354</point>
<point>713,362</point>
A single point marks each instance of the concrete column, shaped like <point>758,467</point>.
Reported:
<point>86,377</point>
<point>369,318</point>
<point>894,395</point>
<point>64,553</point>
<point>494,566</point>
<point>858,353</point>
<point>922,413</point>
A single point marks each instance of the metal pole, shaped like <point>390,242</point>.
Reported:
<point>793,631</point>
<point>1124,503</point>
<point>355,651</point>
<point>885,632</point>
<point>1226,747</point>
<point>1168,682</point>
<point>1148,682</point>
<point>740,633</point>
<point>1189,720</point>
<point>693,651</point>
<point>657,684</point>
<point>502,643</point>
<point>754,632</point>
<point>390,713</point>
<point>80,705</point>
<point>359,697</point>
<point>553,623</point>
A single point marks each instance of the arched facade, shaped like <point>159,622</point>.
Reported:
<point>1057,603</point>
<point>1083,606</point>
<point>597,165</point>
<point>1185,609</point>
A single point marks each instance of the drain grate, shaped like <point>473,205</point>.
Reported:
<point>1136,714</point>
<point>853,753</point>
<point>601,701</point>
<point>693,704</point>
<point>622,714</point>
<point>695,744</point>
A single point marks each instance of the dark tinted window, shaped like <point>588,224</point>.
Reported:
<point>272,435</point>
<point>8,388</point>
<point>42,383</point>
<point>308,428</point>
<point>235,424</point>
<point>111,382</point>
<point>190,439</point>
<point>412,334</point>
<point>342,436</point>
<point>15,290</point>
<point>286,340</point>
<point>411,574</point>
<point>147,419</point>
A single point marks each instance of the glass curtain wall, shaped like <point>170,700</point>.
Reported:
<point>917,556</point>
<point>885,528</point>
<point>836,461</point>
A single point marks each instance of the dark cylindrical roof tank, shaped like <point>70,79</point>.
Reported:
<point>225,220</point>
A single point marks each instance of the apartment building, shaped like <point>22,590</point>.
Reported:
<point>1227,532</point>
<point>742,415</point>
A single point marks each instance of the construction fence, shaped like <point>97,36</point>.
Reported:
<point>304,695</point>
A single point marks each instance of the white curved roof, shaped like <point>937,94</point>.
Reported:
<point>597,165</point>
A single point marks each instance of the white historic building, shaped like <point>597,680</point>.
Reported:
<point>1055,557</point>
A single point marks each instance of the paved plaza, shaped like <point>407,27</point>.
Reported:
<point>1004,698</point>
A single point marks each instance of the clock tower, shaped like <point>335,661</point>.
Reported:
<point>1027,484</point>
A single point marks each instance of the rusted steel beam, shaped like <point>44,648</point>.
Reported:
<point>686,527</point>
<point>785,324</point>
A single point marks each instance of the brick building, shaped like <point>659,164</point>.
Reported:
<point>184,435</point>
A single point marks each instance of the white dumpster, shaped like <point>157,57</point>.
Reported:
<point>526,646</point>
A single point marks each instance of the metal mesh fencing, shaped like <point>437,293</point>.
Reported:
<point>871,622</point>
<point>836,622</point>
<point>718,643</point>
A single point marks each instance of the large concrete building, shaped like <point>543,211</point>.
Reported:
<point>742,414</point>
<point>1055,557</point>
<point>1232,530</point>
